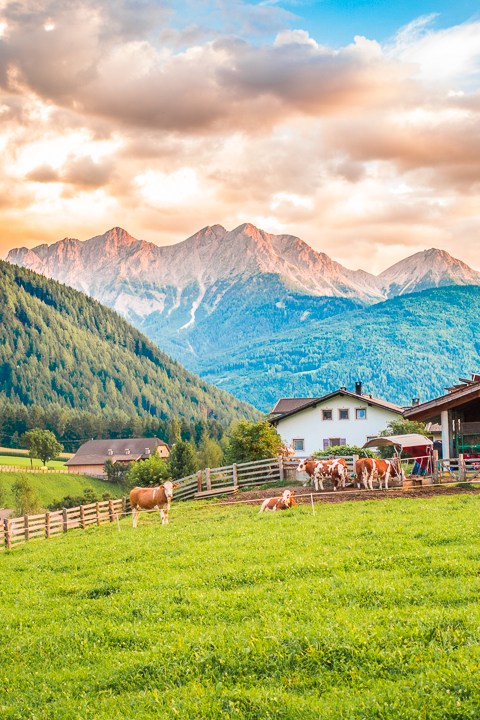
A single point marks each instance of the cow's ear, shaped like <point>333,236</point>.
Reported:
<point>160,486</point>
<point>175,485</point>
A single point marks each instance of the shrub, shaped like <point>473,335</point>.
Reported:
<point>345,450</point>
<point>183,460</point>
<point>253,441</point>
<point>27,501</point>
<point>145,473</point>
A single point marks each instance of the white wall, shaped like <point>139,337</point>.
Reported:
<point>308,424</point>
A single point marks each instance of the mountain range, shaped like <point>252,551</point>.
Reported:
<point>210,299</point>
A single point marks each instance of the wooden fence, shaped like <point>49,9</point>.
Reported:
<point>15,531</point>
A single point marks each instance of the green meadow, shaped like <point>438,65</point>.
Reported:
<point>56,485</point>
<point>24,461</point>
<point>369,610</point>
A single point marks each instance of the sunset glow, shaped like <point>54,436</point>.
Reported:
<point>154,118</point>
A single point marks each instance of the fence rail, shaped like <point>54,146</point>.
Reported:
<point>27,468</point>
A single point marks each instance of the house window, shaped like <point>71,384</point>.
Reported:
<point>361,413</point>
<point>298,444</point>
<point>343,414</point>
<point>335,442</point>
<point>327,414</point>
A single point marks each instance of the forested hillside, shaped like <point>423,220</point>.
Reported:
<point>59,348</point>
<point>407,347</point>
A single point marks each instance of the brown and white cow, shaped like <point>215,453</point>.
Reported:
<point>287,451</point>
<point>283,502</point>
<point>152,498</point>
<point>366,468</point>
<point>317,470</point>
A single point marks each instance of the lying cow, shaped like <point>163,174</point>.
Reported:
<point>156,498</point>
<point>283,502</point>
<point>317,470</point>
<point>366,468</point>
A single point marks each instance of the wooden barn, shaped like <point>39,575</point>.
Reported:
<point>91,456</point>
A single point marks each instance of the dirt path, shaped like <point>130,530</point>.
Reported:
<point>302,494</point>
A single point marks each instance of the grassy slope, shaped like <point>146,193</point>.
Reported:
<point>21,460</point>
<point>366,611</point>
<point>55,486</point>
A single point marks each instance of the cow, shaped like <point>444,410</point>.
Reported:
<point>366,468</point>
<point>336,469</point>
<point>283,502</point>
<point>286,451</point>
<point>152,498</point>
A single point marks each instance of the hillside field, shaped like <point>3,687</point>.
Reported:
<point>51,486</point>
<point>21,460</point>
<point>368,610</point>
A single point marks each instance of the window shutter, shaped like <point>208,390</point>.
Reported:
<point>343,441</point>
<point>325,443</point>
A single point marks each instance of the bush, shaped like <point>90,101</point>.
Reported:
<point>344,450</point>
<point>210,453</point>
<point>253,441</point>
<point>71,501</point>
<point>147,473</point>
<point>27,501</point>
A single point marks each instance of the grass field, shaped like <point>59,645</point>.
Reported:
<point>57,485</point>
<point>367,611</point>
<point>22,460</point>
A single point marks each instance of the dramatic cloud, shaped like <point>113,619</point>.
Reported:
<point>115,113</point>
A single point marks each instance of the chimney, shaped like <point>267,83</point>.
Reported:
<point>415,401</point>
<point>358,388</point>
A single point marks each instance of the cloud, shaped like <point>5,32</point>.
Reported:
<point>117,113</point>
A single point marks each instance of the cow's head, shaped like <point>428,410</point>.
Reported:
<point>302,467</point>
<point>397,470</point>
<point>168,487</point>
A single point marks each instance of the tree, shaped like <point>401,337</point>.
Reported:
<point>42,444</point>
<point>253,441</point>
<point>27,501</point>
<point>174,434</point>
<point>183,460</point>
<point>144,473</point>
<point>210,454</point>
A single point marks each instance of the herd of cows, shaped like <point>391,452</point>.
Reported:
<point>160,497</point>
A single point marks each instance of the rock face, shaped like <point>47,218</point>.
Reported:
<point>219,287</point>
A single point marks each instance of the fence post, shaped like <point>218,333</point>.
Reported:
<point>199,481</point>
<point>435,467</point>
<point>65,520</point>
<point>208,478</point>
<point>461,468</point>
<point>8,539</point>
<point>110,510</point>
<point>26,528</point>
<point>235,475</point>
<point>97,510</point>
<point>47,525</point>
<point>82,516</point>
<point>280,467</point>
<point>124,506</point>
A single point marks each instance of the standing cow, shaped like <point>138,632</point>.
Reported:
<point>156,498</point>
<point>336,469</point>
<point>366,468</point>
<point>283,502</point>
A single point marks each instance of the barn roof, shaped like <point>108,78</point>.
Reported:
<point>304,403</point>
<point>456,398</point>
<point>95,452</point>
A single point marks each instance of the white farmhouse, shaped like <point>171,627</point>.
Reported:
<point>339,418</point>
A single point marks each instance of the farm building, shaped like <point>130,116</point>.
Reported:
<point>340,418</point>
<point>458,413</point>
<point>91,456</point>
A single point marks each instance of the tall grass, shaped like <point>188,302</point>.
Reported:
<point>365,611</point>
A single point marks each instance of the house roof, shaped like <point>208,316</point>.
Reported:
<point>313,402</point>
<point>286,404</point>
<point>95,452</point>
<point>456,398</point>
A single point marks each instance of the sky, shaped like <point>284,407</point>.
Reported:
<point>353,125</point>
